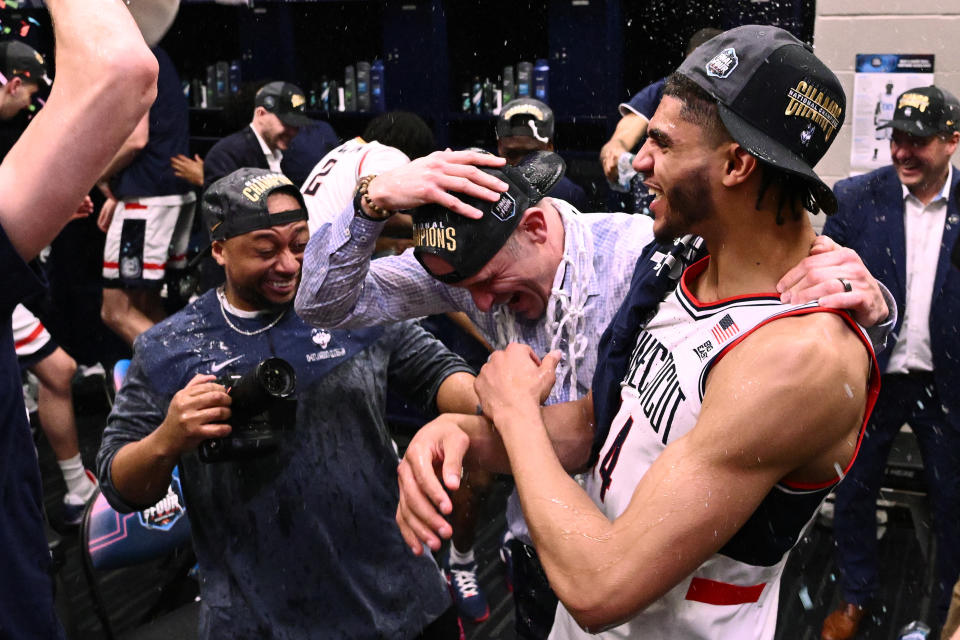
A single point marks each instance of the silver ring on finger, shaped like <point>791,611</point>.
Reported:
<point>847,287</point>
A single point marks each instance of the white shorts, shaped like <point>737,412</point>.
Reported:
<point>29,335</point>
<point>146,237</point>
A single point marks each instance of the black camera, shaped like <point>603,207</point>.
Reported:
<point>263,406</point>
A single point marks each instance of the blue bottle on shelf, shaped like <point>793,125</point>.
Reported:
<point>541,80</point>
<point>378,101</point>
<point>524,79</point>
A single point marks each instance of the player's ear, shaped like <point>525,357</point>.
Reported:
<point>534,225</point>
<point>216,250</point>
<point>739,165</point>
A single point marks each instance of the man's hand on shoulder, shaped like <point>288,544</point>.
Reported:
<point>431,178</point>
<point>837,278</point>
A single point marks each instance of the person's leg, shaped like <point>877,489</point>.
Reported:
<point>461,564</point>
<point>446,627</point>
<point>130,312</point>
<point>535,604</point>
<point>143,236</point>
<point>59,424</point>
<point>855,520</point>
<point>939,441</point>
<point>55,403</point>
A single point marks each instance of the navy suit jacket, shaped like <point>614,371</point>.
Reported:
<point>869,219</point>
<point>236,151</point>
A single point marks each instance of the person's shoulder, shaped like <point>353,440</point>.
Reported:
<point>182,323</point>
<point>619,222</point>
<point>866,180</point>
<point>232,141</point>
<point>814,349</point>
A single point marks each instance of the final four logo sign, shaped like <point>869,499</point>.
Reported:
<point>723,64</point>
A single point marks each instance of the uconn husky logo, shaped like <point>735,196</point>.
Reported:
<point>321,338</point>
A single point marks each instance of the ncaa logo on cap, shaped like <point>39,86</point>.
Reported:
<point>505,208</point>
<point>722,64</point>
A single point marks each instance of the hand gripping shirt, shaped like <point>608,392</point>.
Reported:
<point>302,542</point>
<point>734,593</point>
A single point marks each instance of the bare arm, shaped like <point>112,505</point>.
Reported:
<point>801,415</point>
<point>134,143</point>
<point>141,470</point>
<point>441,449</point>
<point>341,288</point>
<point>106,80</point>
<point>625,137</point>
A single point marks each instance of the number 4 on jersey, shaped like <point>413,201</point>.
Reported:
<point>613,455</point>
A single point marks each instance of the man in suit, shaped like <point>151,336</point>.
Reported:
<point>278,115</point>
<point>903,221</point>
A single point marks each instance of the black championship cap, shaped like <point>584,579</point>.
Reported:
<point>925,111</point>
<point>286,101</point>
<point>468,244</point>
<point>19,59</point>
<point>526,117</point>
<point>237,203</point>
<point>776,99</point>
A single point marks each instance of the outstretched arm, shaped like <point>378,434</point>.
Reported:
<point>341,288</point>
<point>801,416</point>
<point>106,81</point>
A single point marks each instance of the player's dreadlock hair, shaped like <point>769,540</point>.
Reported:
<point>700,108</point>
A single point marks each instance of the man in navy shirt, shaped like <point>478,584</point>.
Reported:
<point>298,540</point>
<point>105,84</point>
<point>148,211</point>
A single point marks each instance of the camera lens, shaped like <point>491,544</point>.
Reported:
<point>277,377</point>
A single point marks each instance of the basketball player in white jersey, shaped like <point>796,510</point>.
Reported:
<point>391,140</point>
<point>712,433</point>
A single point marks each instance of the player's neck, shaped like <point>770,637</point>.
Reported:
<point>751,256</point>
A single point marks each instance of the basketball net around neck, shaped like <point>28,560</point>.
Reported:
<point>564,319</point>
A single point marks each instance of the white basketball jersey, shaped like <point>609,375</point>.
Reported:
<point>734,593</point>
<point>329,188</point>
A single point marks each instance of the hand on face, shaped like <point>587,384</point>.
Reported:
<point>428,180</point>
<point>818,277</point>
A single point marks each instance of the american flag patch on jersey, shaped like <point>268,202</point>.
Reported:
<point>725,329</point>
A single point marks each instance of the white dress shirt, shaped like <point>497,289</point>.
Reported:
<point>273,157</point>
<point>924,232</point>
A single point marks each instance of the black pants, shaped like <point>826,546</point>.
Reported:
<point>534,600</point>
<point>446,627</point>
